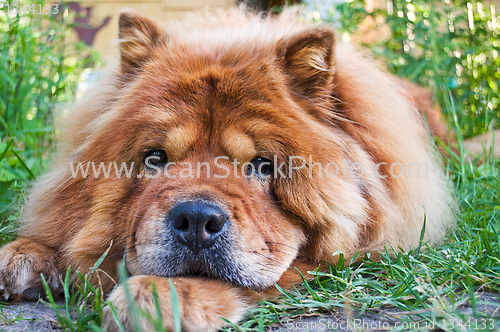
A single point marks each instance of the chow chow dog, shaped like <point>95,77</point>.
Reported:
<point>253,146</point>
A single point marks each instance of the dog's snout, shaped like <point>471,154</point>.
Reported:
<point>197,224</point>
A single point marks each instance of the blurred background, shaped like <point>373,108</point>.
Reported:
<point>98,18</point>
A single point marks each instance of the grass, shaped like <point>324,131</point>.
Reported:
<point>7,319</point>
<point>39,72</point>
<point>426,285</point>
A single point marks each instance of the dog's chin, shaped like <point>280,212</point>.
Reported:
<point>228,272</point>
<point>214,263</point>
<point>243,281</point>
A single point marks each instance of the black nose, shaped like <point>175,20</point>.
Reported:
<point>197,224</point>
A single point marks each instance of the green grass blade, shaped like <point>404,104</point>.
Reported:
<point>175,306</point>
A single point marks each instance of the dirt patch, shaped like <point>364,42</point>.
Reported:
<point>28,316</point>
<point>40,317</point>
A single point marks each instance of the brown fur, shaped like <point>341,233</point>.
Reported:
<point>240,86</point>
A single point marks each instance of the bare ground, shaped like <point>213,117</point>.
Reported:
<point>40,317</point>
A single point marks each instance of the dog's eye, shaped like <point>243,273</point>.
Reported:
<point>155,157</point>
<point>261,167</point>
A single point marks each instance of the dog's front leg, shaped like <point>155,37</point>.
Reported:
<point>202,303</point>
<point>21,263</point>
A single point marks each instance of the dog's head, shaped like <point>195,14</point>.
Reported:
<point>222,127</point>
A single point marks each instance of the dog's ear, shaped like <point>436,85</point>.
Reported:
<point>138,37</point>
<point>307,59</point>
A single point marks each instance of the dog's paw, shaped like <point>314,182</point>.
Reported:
<point>202,303</point>
<point>21,263</point>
